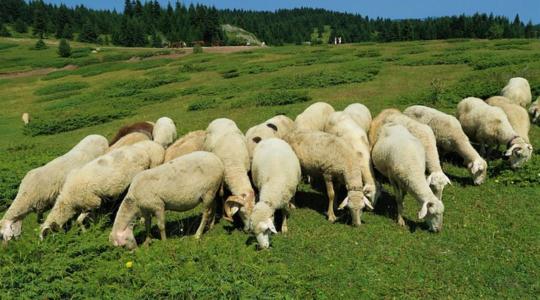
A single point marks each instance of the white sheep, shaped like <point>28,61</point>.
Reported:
<point>164,132</point>
<point>314,117</point>
<point>534,110</point>
<point>321,153</point>
<point>178,185</point>
<point>25,118</point>
<point>437,179</point>
<point>400,157</point>
<point>107,176</point>
<point>517,115</point>
<point>224,139</point>
<point>129,139</point>
<point>40,186</point>
<point>191,142</point>
<point>360,114</point>
<point>518,91</point>
<point>276,173</point>
<point>342,125</point>
<point>489,126</point>
<point>277,126</point>
<point>450,138</point>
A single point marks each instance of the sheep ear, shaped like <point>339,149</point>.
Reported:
<point>256,139</point>
<point>367,203</point>
<point>508,152</point>
<point>234,210</point>
<point>274,127</point>
<point>423,211</point>
<point>270,225</point>
<point>428,179</point>
<point>344,203</point>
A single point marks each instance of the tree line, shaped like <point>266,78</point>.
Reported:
<point>150,24</point>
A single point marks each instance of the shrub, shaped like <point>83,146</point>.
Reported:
<point>280,97</point>
<point>61,87</point>
<point>197,49</point>
<point>191,68</point>
<point>230,74</point>
<point>202,104</point>
<point>320,79</point>
<point>64,50</point>
<point>368,53</point>
<point>40,45</point>
<point>6,46</point>
<point>4,31</point>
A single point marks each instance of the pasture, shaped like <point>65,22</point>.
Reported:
<point>489,246</point>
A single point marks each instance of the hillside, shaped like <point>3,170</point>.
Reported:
<point>488,248</point>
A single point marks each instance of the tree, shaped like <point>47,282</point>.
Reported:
<point>156,40</point>
<point>40,45</point>
<point>62,20</point>
<point>496,31</point>
<point>88,33</point>
<point>40,20</point>
<point>4,31</point>
<point>68,32</point>
<point>64,50</point>
<point>20,26</point>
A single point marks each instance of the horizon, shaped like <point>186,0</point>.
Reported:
<point>528,10</point>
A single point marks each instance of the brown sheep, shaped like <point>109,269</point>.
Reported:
<point>142,127</point>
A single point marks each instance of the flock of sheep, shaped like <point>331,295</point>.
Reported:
<point>344,148</point>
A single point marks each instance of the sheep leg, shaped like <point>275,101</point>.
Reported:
<point>284,227</point>
<point>160,216</point>
<point>80,220</point>
<point>399,203</point>
<point>483,150</point>
<point>200,230</point>
<point>40,217</point>
<point>331,194</point>
<point>148,226</point>
<point>212,215</point>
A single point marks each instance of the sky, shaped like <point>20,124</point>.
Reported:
<point>395,9</point>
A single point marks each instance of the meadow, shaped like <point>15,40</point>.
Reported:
<point>489,246</point>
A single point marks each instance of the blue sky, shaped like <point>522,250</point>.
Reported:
<point>395,9</point>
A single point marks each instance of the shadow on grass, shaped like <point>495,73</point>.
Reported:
<point>386,206</point>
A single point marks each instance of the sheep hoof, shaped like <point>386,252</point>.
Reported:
<point>401,222</point>
<point>147,242</point>
<point>332,219</point>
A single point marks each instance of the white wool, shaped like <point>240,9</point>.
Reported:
<point>518,91</point>
<point>360,114</point>
<point>314,117</point>
<point>277,126</point>
<point>164,132</point>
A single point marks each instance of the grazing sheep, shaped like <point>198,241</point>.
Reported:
<point>489,126</point>
<point>107,176</point>
<point>534,110</point>
<point>342,125</point>
<point>40,187</point>
<point>437,179</point>
<point>224,139</point>
<point>129,139</point>
<point>25,118</point>
<point>142,127</point>
<point>400,157</point>
<point>450,138</point>
<point>164,132</point>
<point>333,158</point>
<point>517,115</point>
<point>276,174</point>
<point>277,126</point>
<point>191,142</point>
<point>360,114</point>
<point>314,117</point>
<point>178,185</point>
<point>518,91</point>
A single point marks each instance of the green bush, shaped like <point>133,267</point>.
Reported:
<point>197,49</point>
<point>368,53</point>
<point>64,50</point>
<point>61,87</point>
<point>230,74</point>
<point>280,97</point>
<point>4,31</point>
<point>40,45</point>
<point>202,104</point>
<point>320,79</point>
<point>6,46</point>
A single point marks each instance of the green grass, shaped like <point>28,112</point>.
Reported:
<point>489,247</point>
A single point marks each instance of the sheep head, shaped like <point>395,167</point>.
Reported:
<point>355,201</point>
<point>437,181</point>
<point>478,169</point>
<point>10,229</point>
<point>372,192</point>
<point>123,238</point>
<point>432,212</point>
<point>518,153</point>
<point>534,111</point>
<point>243,204</point>
<point>261,223</point>
<point>48,228</point>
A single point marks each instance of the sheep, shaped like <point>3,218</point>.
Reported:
<point>129,139</point>
<point>107,176</point>
<point>360,114</point>
<point>329,155</point>
<point>314,117</point>
<point>276,173</point>
<point>191,142</point>
<point>518,91</point>
<point>517,115</point>
<point>437,179</point>
<point>164,132</point>
<point>224,139</point>
<point>40,187</point>
<point>342,125</point>
<point>179,185</point>
<point>277,126</point>
<point>534,110</point>
<point>401,157</point>
<point>450,138</point>
<point>142,127</point>
<point>489,126</point>
<point>25,118</point>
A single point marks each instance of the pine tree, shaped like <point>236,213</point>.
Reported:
<point>128,8</point>
<point>156,40</point>
<point>20,26</point>
<point>40,20</point>
<point>4,31</point>
<point>64,50</point>
<point>88,33</point>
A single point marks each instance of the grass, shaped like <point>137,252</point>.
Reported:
<point>489,247</point>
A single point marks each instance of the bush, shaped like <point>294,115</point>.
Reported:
<point>202,104</point>
<point>197,49</point>
<point>64,50</point>
<point>61,87</point>
<point>230,74</point>
<point>320,79</point>
<point>282,97</point>
<point>40,45</point>
<point>20,26</point>
<point>4,31</point>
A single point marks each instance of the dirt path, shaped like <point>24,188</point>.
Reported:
<point>44,71</point>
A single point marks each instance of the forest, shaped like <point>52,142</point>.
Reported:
<point>151,24</point>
